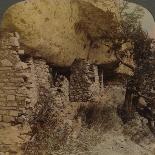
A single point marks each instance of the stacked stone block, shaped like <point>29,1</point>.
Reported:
<point>84,81</point>
<point>13,91</point>
<point>21,80</point>
<point>62,85</point>
<point>42,73</point>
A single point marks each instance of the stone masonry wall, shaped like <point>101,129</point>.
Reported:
<point>21,79</point>
<point>14,87</point>
<point>84,81</point>
<point>42,73</point>
<point>13,84</point>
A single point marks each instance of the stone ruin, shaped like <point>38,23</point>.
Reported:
<point>84,81</point>
<point>22,78</point>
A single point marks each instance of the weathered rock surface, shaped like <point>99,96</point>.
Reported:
<point>50,29</point>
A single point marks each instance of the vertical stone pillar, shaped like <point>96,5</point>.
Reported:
<point>42,81</point>
<point>100,72</point>
<point>62,85</point>
<point>84,81</point>
<point>42,73</point>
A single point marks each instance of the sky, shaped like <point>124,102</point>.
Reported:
<point>4,4</point>
<point>149,24</point>
<point>148,20</point>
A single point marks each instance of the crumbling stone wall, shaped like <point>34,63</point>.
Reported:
<point>42,73</point>
<point>84,81</point>
<point>21,80</point>
<point>62,85</point>
<point>13,87</point>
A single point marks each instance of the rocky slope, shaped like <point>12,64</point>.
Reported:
<point>105,134</point>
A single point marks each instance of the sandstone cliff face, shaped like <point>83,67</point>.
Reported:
<point>50,29</point>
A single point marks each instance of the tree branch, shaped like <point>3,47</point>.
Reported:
<point>122,62</point>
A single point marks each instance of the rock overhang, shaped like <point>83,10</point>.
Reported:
<point>48,29</point>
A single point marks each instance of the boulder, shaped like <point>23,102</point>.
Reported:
<point>61,31</point>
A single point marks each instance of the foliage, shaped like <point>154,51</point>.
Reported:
<point>128,14</point>
<point>131,25</point>
<point>127,28</point>
<point>140,85</point>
